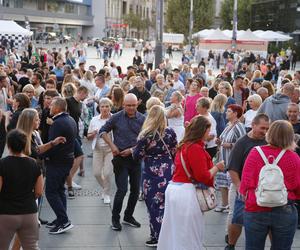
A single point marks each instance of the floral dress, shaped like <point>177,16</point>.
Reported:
<point>157,173</point>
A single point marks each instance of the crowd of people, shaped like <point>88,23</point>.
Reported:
<point>161,131</point>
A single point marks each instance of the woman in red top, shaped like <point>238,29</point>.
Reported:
<point>281,221</point>
<point>182,226</point>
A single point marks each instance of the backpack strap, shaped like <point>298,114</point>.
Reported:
<point>279,156</point>
<point>266,161</point>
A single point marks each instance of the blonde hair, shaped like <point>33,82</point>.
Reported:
<point>153,101</point>
<point>105,100</point>
<point>68,90</point>
<point>228,88</point>
<point>218,104</point>
<point>88,76</point>
<point>155,122</point>
<point>178,95</point>
<point>28,87</point>
<point>256,74</point>
<point>25,123</point>
<point>256,99</point>
<point>286,132</point>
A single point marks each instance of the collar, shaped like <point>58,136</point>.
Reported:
<point>59,114</point>
<point>125,114</point>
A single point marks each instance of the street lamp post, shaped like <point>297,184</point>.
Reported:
<point>191,23</point>
<point>235,23</point>
<point>159,32</point>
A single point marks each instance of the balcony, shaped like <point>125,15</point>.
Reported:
<point>45,17</point>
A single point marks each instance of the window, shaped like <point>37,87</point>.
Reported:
<point>41,5</point>
<point>124,8</point>
<point>70,8</point>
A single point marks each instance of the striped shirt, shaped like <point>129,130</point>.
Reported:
<point>230,135</point>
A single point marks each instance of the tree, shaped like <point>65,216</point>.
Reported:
<point>244,14</point>
<point>178,15</point>
<point>136,22</point>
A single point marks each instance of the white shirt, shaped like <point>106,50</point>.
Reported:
<point>249,116</point>
<point>95,124</point>
<point>179,86</point>
<point>213,131</point>
<point>114,73</point>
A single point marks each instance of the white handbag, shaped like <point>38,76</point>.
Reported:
<point>206,196</point>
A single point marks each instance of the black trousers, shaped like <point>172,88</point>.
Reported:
<point>125,167</point>
<point>2,136</point>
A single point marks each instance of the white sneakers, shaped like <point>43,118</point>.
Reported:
<point>75,186</point>
<point>105,198</point>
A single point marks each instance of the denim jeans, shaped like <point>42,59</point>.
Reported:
<point>281,222</point>
<point>55,191</point>
<point>126,168</point>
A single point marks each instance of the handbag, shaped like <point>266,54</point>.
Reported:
<point>206,196</point>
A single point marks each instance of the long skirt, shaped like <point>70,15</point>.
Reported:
<point>183,222</point>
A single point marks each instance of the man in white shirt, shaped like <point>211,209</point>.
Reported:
<point>178,85</point>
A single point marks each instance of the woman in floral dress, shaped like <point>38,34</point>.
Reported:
<point>157,146</point>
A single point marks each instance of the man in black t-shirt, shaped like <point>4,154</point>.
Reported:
<point>74,109</point>
<point>237,158</point>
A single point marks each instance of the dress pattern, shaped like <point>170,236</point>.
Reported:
<point>157,173</point>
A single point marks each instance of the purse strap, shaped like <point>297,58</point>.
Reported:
<point>160,137</point>
<point>185,168</point>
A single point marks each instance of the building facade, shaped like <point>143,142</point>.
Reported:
<point>70,17</point>
<point>277,15</point>
<point>118,10</point>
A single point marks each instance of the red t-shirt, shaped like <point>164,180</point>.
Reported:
<point>290,166</point>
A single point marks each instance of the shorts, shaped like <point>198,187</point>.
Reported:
<point>77,148</point>
<point>238,211</point>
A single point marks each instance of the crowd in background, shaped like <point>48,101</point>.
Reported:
<point>141,120</point>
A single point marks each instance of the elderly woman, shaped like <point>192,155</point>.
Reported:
<point>234,130</point>
<point>254,102</point>
<point>29,91</point>
<point>102,155</point>
<point>159,85</point>
<point>281,221</point>
<point>175,115</point>
<point>183,222</point>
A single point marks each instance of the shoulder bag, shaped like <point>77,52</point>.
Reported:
<point>206,196</point>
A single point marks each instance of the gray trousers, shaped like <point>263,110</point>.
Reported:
<point>25,225</point>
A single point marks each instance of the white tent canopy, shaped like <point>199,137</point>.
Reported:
<point>248,35</point>
<point>12,28</point>
<point>270,36</point>
<point>217,35</point>
<point>258,35</point>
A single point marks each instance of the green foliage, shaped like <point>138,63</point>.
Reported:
<point>244,14</point>
<point>178,15</point>
<point>136,22</point>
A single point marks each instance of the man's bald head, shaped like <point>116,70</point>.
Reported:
<point>130,97</point>
<point>130,104</point>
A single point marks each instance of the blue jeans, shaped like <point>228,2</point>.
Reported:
<point>55,191</point>
<point>281,222</point>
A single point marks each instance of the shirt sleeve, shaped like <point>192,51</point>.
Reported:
<point>139,151</point>
<point>235,160</point>
<point>108,126</point>
<point>199,164</point>
<point>248,171</point>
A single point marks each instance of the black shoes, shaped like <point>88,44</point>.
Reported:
<point>58,229</point>
<point>131,222</point>
<point>51,224</point>
<point>71,194</point>
<point>151,243</point>
<point>115,225</point>
<point>230,247</point>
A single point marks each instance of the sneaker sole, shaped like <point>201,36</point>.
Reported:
<point>71,197</point>
<point>63,230</point>
<point>116,229</point>
<point>151,245</point>
<point>130,224</point>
